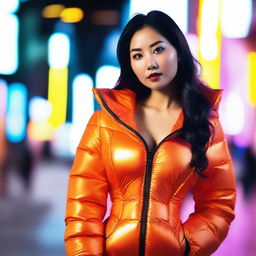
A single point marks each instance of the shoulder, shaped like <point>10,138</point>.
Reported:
<point>97,117</point>
<point>102,120</point>
<point>214,97</point>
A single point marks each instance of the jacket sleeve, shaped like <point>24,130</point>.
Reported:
<point>86,196</point>
<point>214,198</point>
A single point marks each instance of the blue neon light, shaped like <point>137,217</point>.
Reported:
<point>16,112</point>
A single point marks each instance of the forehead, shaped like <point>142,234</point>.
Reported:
<point>145,37</point>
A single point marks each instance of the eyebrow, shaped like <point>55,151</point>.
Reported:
<point>151,45</point>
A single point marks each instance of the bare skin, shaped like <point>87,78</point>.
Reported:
<point>155,61</point>
<point>155,121</point>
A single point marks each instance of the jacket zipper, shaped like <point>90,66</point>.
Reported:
<point>147,177</point>
<point>146,194</point>
<point>144,212</point>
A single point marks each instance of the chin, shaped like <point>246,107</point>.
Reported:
<point>158,87</point>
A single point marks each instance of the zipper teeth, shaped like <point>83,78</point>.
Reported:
<point>147,177</point>
<point>146,195</point>
<point>145,205</point>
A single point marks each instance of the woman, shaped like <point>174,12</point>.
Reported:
<point>156,138</point>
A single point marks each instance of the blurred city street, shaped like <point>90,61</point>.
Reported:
<point>32,223</point>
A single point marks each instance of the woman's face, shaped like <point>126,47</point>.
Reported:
<point>153,59</point>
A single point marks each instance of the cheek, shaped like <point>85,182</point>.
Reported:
<point>136,67</point>
<point>171,63</point>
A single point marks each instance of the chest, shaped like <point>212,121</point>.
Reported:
<point>154,126</point>
<point>127,163</point>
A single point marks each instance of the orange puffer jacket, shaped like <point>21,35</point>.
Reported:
<point>146,188</point>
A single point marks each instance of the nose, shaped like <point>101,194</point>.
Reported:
<point>151,63</point>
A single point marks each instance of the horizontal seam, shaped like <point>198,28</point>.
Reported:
<point>86,176</point>
<point>87,149</point>
<point>216,190</point>
<point>75,219</point>
<point>84,200</point>
<point>221,163</point>
<point>214,212</point>
<point>73,236</point>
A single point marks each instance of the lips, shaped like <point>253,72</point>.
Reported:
<point>154,76</point>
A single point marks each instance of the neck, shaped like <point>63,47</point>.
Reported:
<point>161,100</point>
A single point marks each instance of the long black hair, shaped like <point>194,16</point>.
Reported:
<point>196,128</point>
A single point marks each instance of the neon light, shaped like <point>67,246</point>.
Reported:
<point>3,101</point>
<point>209,32</point>
<point>83,107</point>
<point>53,10</point>
<point>209,40</point>
<point>106,76</point>
<point>16,112</point>
<point>9,26</point>
<point>59,50</point>
<point>234,114</point>
<point>252,77</point>
<point>61,141</point>
<point>39,128</point>
<point>39,109</point>
<point>193,43</point>
<point>177,9</point>
<point>58,58</point>
<point>3,98</point>
<point>236,18</point>
<point>57,95</point>
<point>9,6</point>
<point>247,137</point>
<point>108,52</point>
<point>40,131</point>
<point>72,15</point>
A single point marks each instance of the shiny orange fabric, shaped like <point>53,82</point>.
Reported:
<point>112,158</point>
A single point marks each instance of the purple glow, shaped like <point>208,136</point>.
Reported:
<point>3,98</point>
<point>234,80</point>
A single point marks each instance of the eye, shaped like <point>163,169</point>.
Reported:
<point>158,49</point>
<point>136,56</point>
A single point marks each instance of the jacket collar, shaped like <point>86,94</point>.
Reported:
<point>121,104</point>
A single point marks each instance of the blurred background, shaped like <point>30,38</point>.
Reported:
<point>53,52</point>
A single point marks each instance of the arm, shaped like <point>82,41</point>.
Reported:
<point>86,196</point>
<point>214,198</point>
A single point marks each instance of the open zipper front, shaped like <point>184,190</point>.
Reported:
<point>147,177</point>
<point>146,193</point>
